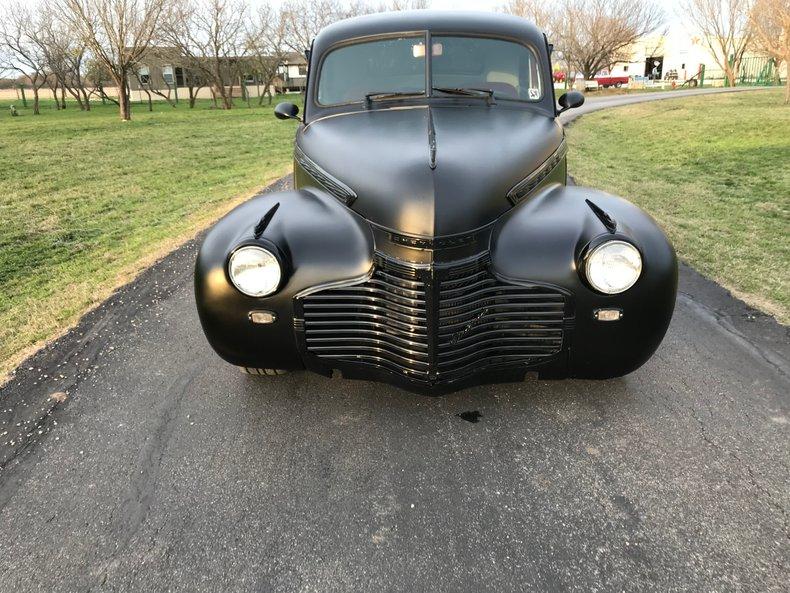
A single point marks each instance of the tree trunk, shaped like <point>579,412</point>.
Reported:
<point>62,97</point>
<point>124,105</point>
<point>729,74</point>
<point>36,105</point>
<point>54,91</point>
<point>227,101</point>
<point>75,92</point>
<point>85,98</point>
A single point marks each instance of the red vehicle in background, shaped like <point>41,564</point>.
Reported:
<point>607,81</point>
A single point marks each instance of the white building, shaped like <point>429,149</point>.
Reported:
<point>675,55</point>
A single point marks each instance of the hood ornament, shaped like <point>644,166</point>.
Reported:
<point>431,140</point>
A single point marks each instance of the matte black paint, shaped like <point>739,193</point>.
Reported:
<point>384,155</point>
<point>430,182</point>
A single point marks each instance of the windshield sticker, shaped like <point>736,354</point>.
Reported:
<point>534,94</point>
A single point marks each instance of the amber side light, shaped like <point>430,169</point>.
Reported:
<point>608,314</point>
<point>262,317</point>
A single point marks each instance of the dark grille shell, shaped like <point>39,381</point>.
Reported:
<point>434,325</point>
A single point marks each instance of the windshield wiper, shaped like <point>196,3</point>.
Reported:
<point>468,92</point>
<point>370,97</point>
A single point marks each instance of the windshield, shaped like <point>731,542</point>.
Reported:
<point>385,66</point>
<point>398,66</point>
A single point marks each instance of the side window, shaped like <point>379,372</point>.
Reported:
<point>145,74</point>
<point>167,74</point>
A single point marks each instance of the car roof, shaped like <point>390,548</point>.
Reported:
<point>474,22</point>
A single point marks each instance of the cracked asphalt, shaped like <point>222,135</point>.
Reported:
<point>165,469</point>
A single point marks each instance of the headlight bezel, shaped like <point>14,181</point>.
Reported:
<point>266,247</point>
<point>595,247</point>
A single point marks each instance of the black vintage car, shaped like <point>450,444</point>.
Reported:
<point>431,240</point>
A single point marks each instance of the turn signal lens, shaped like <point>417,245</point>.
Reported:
<point>608,314</point>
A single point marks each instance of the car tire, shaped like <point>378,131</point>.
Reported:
<point>262,372</point>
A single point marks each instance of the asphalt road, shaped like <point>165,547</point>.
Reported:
<point>167,470</point>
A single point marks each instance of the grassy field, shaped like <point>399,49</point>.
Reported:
<point>86,201</point>
<point>714,171</point>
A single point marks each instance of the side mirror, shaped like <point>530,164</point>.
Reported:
<point>569,100</point>
<point>287,111</point>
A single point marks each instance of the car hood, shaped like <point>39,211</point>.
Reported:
<point>435,171</point>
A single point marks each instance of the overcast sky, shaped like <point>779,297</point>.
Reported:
<point>669,6</point>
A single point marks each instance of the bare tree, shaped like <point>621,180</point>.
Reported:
<point>303,19</point>
<point>195,82</point>
<point>266,45</point>
<point>20,50</point>
<point>210,37</point>
<point>152,84</point>
<point>540,12</point>
<point>143,85</point>
<point>547,17</point>
<point>65,55</point>
<point>770,23</point>
<point>595,34</point>
<point>725,29</point>
<point>398,5</point>
<point>591,35</point>
<point>118,32</point>
<point>96,74</point>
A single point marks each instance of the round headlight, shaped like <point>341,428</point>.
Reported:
<point>254,271</point>
<point>613,267</point>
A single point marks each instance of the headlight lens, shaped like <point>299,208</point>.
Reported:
<point>613,267</point>
<point>254,271</point>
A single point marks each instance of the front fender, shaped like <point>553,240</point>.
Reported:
<point>545,239</point>
<point>319,240</point>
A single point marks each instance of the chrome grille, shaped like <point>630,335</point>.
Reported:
<point>434,325</point>
<point>383,321</point>
<point>483,321</point>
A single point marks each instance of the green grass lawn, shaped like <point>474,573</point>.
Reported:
<point>714,171</point>
<point>86,200</point>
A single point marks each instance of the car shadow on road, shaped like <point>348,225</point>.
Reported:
<point>330,401</point>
